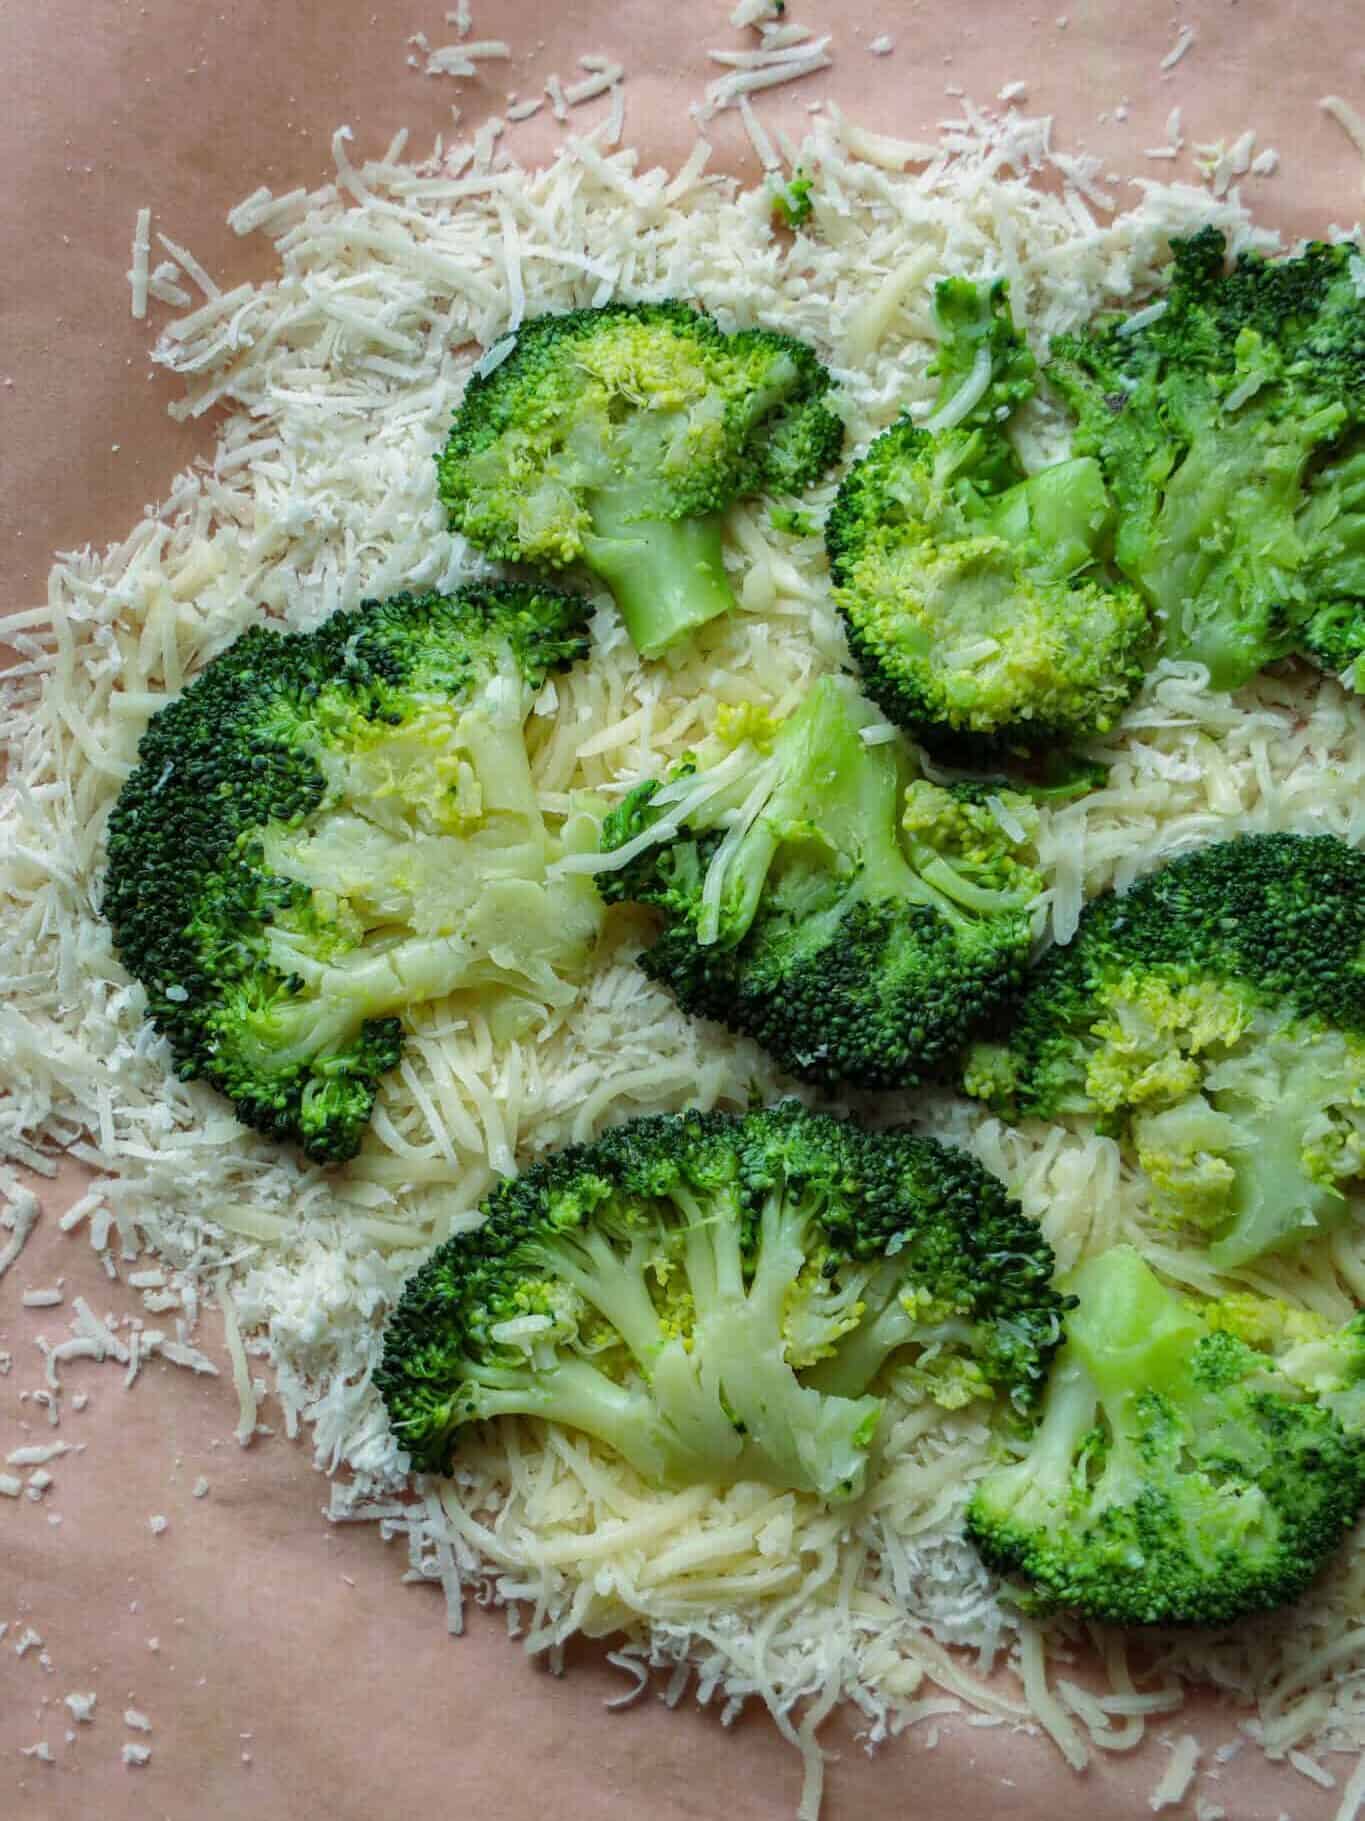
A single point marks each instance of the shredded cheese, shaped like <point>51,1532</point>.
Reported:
<point>336,380</point>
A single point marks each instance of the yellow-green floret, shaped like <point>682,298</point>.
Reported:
<point>980,601</point>
<point>717,1297</point>
<point>1213,1018</point>
<point>327,830</point>
<point>617,437</point>
<point>1179,1474</point>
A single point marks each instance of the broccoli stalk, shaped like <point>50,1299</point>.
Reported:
<point>979,600</point>
<point>328,830</point>
<point>1177,1475</point>
<point>618,437</point>
<point>687,1289</point>
<point>1213,1018</point>
<point>857,926</point>
<point>1221,419</point>
<point>667,575</point>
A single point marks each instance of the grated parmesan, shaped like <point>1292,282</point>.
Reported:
<point>137,277</point>
<point>393,280</point>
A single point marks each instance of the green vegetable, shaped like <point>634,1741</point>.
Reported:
<point>329,829</point>
<point>618,437</point>
<point>979,601</point>
<point>1179,1474</point>
<point>857,925</point>
<point>791,200</point>
<point>792,523</point>
<point>1214,1018</point>
<point>717,1297</point>
<point>1230,423</point>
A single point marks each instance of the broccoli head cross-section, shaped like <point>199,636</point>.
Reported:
<point>979,600</point>
<point>617,438</point>
<point>855,924</point>
<point>1213,1018</point>
<point>327,830</point>
<point>1229,419</point>
<point>1178,1475</point>
<point>717,1297</point>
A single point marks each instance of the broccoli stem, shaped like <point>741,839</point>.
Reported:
<point>723,1406</point>
<point>1275,1197</point>
<point>668,575</point>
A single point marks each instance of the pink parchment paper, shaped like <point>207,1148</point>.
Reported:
<point>292,1674</point>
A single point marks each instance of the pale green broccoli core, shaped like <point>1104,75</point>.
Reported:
<point>667,575</point>
<point>692,1390</point>
<point>700,1360</point>
<point>426,866</point>
<point>1247,1123</point>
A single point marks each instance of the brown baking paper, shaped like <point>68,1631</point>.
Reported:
<point>284,1668</point>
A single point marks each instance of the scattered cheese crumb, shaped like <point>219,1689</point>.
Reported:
<point>201,1487</point>
<point>82,1707</point>
<point>37,1455</point>
<point>10,1486</point>
<point>27,1640</point>
<point>1175,1780</point>
<point>1350,123</point>
<point>44,1299</point>
<point>137,1754</point>
<point>136,1720</point>
<point>137,276</point>
<point>41,1750</point>
<point>1310,1768</point>
<point>882,46</point>
<point>1184,40</point>
<point>158,1524</point>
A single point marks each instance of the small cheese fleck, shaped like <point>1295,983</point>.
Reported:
<point>157,1524</point>
<point>136,1754</point>
<point>81,1706</point>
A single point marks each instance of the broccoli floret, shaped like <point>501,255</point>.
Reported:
<point>1212,1017</point>
<point>791,200</point>
<point>716,1297</point>
<point>327,830</point>
<point>792,522</point>
<point>1178,1475</point>
<point>855,924</point>
<point>979,601</point>
<point>1223,420</point>
<point>617,438</point>
<point>1332,526</point>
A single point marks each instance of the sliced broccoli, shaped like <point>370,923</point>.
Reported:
<point>857,925</point>
<point>979,601</point>
<point>717,1297</point>
<point>1223,419</point>
<point>327,830</point>
<point>1178,1474</point>
<point>791,200</point>
<point>617,438</point>
<point>1213,1017</point>
<point>1332,526</point>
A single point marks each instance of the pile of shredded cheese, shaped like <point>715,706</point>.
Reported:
<point>337,379</point>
